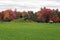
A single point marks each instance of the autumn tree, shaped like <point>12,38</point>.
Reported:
<point>55,15</point>
<point>6,15</point>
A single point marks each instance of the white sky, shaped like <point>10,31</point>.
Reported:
<point>34,5</point>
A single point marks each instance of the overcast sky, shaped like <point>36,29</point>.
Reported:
<point>34,5</point>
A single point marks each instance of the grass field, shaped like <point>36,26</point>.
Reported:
<point>29,31</point>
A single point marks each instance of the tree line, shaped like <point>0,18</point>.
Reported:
<point>43,15</point>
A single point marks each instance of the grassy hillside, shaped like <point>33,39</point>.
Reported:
<point>29,31</point>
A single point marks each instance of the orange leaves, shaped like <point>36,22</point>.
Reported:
<point>6,15</point>
<point>9,15</point>
<point>56,19</point>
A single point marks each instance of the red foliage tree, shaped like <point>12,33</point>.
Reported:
<point>44,14</point>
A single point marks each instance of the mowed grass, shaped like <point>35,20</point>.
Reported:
<point>29,31</point>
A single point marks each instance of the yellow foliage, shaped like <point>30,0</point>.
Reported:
<point>6,15</point>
